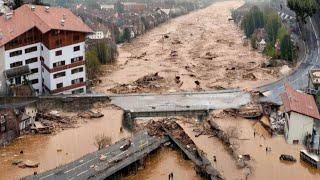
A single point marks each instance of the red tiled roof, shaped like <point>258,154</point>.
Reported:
<point>24,19</point>
<point>299,102</point>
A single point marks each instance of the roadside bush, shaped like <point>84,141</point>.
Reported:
<point>92,64</point>
<point>106,53</point>
<point>286,48</point>
<point>253,42</point>
<point>254,19</point>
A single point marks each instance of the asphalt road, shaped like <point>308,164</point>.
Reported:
<point>90,166</point>
<point>299,78</point>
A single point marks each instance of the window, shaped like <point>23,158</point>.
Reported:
<point>16,64</point>
<point>18,80</point>
<point>78,91</point>
<point>15,53</point>
<point>31,49</point>
<point>76,48</point>
<point>73,71</point>
<point>34,81</point>
<point>60,63</point>
<point>59,53</point>
<point>3,123</point>
<point>32,60</point>
<point>41,58</point>
<point>76,38</point>
<point>35,70</point>
<point>41,48</point>
<point>75,81</point>
<point>60,74</point>
<point>59,85</point>
<point>76,59</point>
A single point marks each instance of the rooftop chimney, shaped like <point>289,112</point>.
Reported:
<point>64,16</point>
<point>62,22</point>
<point>8,15</point>
<point>33,8</point>
<point>47,8</point>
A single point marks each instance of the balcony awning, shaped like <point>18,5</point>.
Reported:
<point>17,72</point>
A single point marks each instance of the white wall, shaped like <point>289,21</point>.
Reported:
<point>49,59</point>
<point>298,127</point>
<point>67,54</point>
<point>3,86</point>
<point>23,57</point>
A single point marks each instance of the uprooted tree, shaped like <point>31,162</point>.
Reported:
<point>101,141</point>
<point>303,8</point>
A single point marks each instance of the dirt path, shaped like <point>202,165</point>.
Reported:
<point>201,46</point>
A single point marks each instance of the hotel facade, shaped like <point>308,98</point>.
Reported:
<point>44,48</point>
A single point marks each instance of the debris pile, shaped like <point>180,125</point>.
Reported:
<point>277,121</point>
<point>249,111</point>
<point>156,128</point>
<point>226,138</point>
<point>148,83</point>
<point>25,164</point>
<point>210,56</point>
<point>53,121</point>
<point>174,53</point>
<point>249,76</point>
<point>180,138</point>
<point>90,114</point>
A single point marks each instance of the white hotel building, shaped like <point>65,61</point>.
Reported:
<point>42,47</point>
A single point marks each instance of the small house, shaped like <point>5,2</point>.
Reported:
<point>314,80</point>
<point>16,119</point>
<point>261,45</point>
<point>301,112</point>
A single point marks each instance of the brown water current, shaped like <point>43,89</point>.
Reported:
<point>206,45</point>
<point>266,166</point>
<point>55,150</point>
<point>159,165</point>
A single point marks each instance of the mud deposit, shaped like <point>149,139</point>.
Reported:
<point>201,46</point>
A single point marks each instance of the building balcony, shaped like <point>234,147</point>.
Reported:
<point>64,67</point>
<point>66,88</point>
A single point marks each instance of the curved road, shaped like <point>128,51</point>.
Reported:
<point>299,78</point>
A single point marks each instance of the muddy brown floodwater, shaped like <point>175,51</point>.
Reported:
<point>265,165</point>
<point>159,165</point>
<point>73,143</point>
<point>201,46</point>
<point>66,146</point>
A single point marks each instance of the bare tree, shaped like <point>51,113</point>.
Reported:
<point>101,141</point>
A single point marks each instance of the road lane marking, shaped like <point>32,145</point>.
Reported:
<point>46,176</point>
<point>117,156</point>
<point>83,172</point>
<point>79,165</point>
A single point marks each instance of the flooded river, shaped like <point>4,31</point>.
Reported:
<point>55,150</point>
<point>265,165</point>
<point>66,146</point>
<point>206,46</point>
<point>166,161</point>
